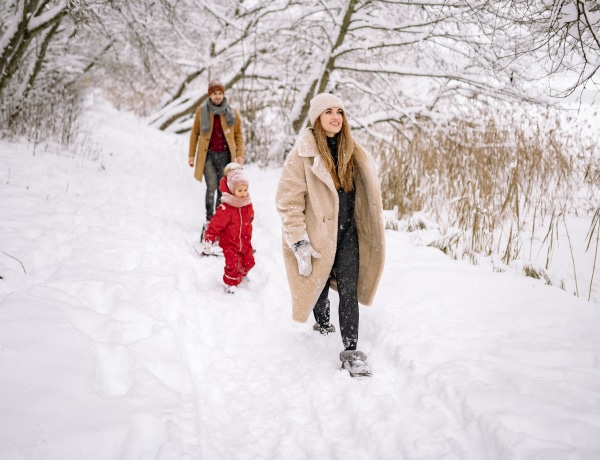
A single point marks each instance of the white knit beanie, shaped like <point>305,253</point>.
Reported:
<point>231,167</point>
<point>322,102</point>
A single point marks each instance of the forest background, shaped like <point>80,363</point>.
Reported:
<point>471,108</point>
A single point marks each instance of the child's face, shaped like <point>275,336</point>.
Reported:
<point>241,191</point>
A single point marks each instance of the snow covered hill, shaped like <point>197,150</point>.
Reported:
<point>118,342</point>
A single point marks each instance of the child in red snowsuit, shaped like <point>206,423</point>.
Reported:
<point>222,189</point>
<point>232,226</point>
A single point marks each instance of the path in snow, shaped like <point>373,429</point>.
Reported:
<point>119,341</point>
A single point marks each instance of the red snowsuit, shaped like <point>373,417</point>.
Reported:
<point>232,226</point>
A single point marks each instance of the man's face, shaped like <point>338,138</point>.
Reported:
<point>216,97</point>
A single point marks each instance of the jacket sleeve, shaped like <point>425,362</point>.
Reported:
<point>238,135</point>
<point>290,198</point>
<point>195,134</point>
<point>217,224</point>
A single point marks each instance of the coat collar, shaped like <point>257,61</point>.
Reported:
<point>307,147</point>
<point>307,144</point>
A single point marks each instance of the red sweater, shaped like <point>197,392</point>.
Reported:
<point>217,139</point>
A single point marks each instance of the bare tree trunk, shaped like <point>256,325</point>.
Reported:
<point>186,81</point>
<point>34,72</point>
<point>320,83</point>
<point>31,21</point>
<point>189,108</point>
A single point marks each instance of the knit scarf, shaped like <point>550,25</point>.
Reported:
<point>235,201</point>
<point>209,107</point>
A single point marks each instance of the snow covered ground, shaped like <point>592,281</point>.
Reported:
<point>118,342</point>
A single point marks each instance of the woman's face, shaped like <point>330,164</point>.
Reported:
<point>332,120</point>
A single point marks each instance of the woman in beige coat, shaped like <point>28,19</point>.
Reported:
<point>329,200</point>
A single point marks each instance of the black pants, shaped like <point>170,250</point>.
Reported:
<point>345,271</point>
<point>214,170</point>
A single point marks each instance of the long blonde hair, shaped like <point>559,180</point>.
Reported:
<point>343,177</point>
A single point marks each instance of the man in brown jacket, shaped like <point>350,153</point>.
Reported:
<point>216,140</point>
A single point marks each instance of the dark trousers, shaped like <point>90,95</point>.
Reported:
<point>345,271</point>
<point>214,170</point>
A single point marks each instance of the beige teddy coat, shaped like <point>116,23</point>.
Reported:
<point>308,204</point>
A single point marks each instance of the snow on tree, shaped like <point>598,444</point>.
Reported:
<point>398,64</point>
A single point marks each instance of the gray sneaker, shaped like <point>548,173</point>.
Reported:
<point>354,362</point>
<point>328,329</point>
<point>352,355</point>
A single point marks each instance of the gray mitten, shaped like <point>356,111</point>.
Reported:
<point>303,252</point>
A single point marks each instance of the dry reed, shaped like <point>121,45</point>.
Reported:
<point>491,186</point>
